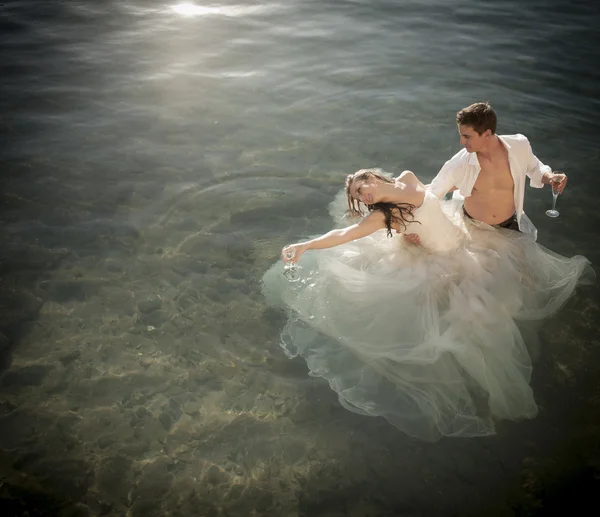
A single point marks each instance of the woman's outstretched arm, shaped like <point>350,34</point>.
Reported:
<point>370,224</point>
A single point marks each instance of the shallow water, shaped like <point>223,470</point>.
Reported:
<point>155,159</point>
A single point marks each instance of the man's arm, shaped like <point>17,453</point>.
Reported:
<point>444,181</point>
<point>541,174</point>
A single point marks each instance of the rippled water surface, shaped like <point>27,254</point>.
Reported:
<point>155,157</point>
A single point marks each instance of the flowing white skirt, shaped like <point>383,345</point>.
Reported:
<point>432,342</point>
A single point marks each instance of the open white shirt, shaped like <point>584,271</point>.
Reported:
<point>461,171</point>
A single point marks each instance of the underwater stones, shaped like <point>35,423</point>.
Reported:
<point>141,412</point>
<point>205,379</point>
<point>105,441</point>
<point>180,265</point>
<point>149,304</point>
<point>139,342</point>
<point>66,290</point>
<point>222,371</point>
<point>294,451</point>
<point>196,244</point>
<point>216,476</point>
<point>118,300</point>
<point>154,483</point>
<point>98,506</point>
<point>264,501</point>
<point>235,492</point>
<point>155,319</point>
<point>238,273</point>
<point>170,414</point>
<point>192,407</point>
<point>181,323</point>
<point>71,477</point>
<point>182,492</point>
<point>112,265</point>
<point>20,427</point>
<point>17,307</point>
<point>4,344</point>
<point>230,466</point>
<point>240,249</point>
<point>166,420</point>
<point>6,407</point>
<point>302,412</point>
<point>67,359</point>
<point>257,498</point>
<point>19,500</point>
<point>58,388</point>
<point>197,266</point>
<point>31,375</point>
<point>274,317</point>
<point>114,477</point>
<point>20,257</point>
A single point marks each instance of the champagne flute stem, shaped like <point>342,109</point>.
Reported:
<point>554,197</point>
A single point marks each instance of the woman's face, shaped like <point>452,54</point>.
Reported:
<point>367,191</point>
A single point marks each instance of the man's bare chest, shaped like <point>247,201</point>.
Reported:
<point>494,177</point>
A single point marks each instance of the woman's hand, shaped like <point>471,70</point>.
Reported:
<point>370,224</point>
<point>292,252</point>
<point>412,238</point>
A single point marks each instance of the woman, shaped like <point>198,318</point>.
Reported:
<point>428,337</point>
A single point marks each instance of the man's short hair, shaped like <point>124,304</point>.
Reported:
<point>480,116</point>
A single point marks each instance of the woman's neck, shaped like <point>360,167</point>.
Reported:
<point>393,192</point>
<point>403,193</point>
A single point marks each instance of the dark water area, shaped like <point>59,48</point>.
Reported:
<point>155,157</point>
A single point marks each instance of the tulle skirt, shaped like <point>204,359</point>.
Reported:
<point>433,342</point>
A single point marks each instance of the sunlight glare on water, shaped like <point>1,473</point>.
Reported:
<point>189,9</point>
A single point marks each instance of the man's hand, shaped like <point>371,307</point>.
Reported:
<point>558,181</point>
<point>412,238</point>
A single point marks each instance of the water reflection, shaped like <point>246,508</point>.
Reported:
<point>189,9</point>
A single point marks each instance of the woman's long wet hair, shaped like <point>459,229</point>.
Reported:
<point>399,213</point>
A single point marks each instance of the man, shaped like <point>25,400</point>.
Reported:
<point>490,172</point>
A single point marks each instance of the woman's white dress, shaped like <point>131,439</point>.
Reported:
<point>429,337</point>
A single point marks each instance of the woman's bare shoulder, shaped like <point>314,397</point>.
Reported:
<point>413,192</point>
<point>408,177</point>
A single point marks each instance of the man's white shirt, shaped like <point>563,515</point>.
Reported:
<point>463,168</point>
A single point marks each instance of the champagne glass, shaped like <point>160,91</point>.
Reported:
<point>291,269</point>
<point>553,212</point>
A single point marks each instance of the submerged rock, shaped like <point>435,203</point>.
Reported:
<point>4,344</point>
<point>32,375</point>
<point>216,476</point>
<point>149,304</point>
<point>70,357</point>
